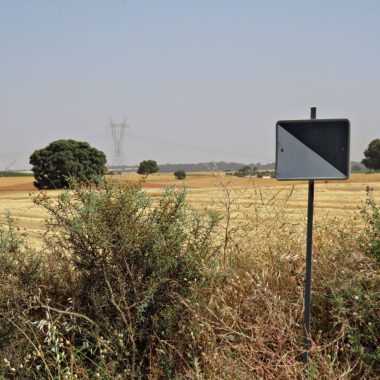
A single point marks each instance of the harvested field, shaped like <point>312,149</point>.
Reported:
<point>207,190</point>
<point>16,184</point>
<point>256,260</point>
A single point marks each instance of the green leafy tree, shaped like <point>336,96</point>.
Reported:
<point>372,155</point>
<point>180,174</point>
<point>63,160</point>
<point>148,167</point>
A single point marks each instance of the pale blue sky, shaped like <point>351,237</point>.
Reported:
<point>197,80</point>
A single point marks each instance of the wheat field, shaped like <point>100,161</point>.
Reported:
<point>333,199</point>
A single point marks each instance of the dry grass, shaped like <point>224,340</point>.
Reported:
<point>247,319</point>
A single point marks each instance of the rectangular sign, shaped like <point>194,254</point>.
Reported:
<point>312,149</point>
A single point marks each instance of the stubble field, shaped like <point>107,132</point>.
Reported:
<point>243,309</point>
<point>333,199</point>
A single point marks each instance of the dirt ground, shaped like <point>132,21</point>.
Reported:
<point>16,184</point>
<point>194,180</point>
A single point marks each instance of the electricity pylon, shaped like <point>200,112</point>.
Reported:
<point>118,135</point>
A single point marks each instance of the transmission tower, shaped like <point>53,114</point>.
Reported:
<point>118,135</point>
<point>12,163</point>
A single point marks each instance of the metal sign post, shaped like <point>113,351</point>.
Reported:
<point>309,254</point>
<point>312,149</point>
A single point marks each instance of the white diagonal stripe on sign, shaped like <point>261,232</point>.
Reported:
<point>297,161</point>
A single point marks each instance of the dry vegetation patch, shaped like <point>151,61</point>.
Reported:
<point>136,287</point>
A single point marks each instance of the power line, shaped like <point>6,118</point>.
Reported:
<point>189,146</point>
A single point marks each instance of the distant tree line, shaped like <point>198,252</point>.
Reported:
<point>65,160</point>
<point>251,171</point>
<point>207,166</point>
<point>357,166</point>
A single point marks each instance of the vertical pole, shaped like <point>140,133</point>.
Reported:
<point>309,253</point>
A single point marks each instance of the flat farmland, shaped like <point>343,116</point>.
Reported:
<point>338,199</point>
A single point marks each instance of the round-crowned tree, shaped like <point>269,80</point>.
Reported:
<point>63,160</point>
<point>372,155</point>
<point>148,167</point>
<point>180,174</point>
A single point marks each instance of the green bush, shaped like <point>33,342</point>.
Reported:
<point>19,264</point>
<point>371,239</point>
<point>180,174</point>
<point>124,269</point>
<point>148,167</point>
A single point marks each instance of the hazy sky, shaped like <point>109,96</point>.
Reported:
<point>197,80</point>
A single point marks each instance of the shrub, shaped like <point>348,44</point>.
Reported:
<point>346,302</point>
<point>22,271</point>
<point>124,270</point>
<point>371,239</point>
<point>180,174</point>
<point>252,325</point>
